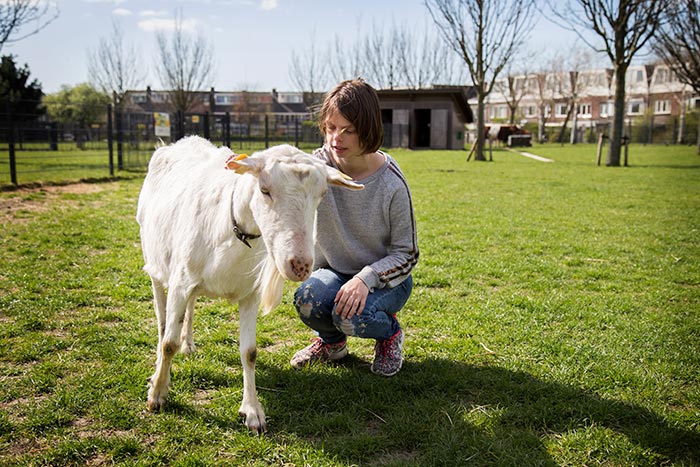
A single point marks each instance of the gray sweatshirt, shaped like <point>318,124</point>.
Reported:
<point>369,233</point>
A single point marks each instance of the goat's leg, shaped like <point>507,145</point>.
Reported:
<point>250,407</point>
<point>167,347</point>
<point>159,301</point>
<point>187,346</point>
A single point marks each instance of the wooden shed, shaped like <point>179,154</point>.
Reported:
<point>432,118</point>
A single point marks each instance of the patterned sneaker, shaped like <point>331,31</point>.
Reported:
<point>319,352</point>
<point>388,355</point>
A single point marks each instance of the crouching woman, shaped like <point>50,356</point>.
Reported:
<point>366,240</point>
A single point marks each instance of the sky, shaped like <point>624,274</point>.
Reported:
<point>253,40</point>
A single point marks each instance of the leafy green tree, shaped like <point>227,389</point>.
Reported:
<point>20,99</point>
<point>82,105</point>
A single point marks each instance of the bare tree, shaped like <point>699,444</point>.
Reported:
<point>624,27</point>
<point>308,72</point>
<point>574,83</point>
<point>486,34</point>
<point>678,44</point>
<point>15,15</point>
<point>186,65</point>
<point>545,91</point>
<point>115,68</point>
<point>515,84</point>
<point>427,60</point>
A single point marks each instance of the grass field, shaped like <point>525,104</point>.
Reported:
<point>555,321</point>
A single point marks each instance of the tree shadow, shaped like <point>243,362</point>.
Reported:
<point>442,412</point>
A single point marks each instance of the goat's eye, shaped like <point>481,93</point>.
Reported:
<point>264,191</point>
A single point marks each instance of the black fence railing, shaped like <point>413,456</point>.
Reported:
<point>40,150</point>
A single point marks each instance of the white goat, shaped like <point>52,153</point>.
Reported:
<point>200,226</point>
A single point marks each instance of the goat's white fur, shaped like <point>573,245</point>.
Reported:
<point>185,212</point>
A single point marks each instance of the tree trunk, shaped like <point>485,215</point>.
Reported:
<point>618,118</point>
<point>560,138</point>
<point>480,124</point>
<point>697,150</point>
<point>681,122</point>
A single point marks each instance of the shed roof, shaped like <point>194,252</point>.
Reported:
<point>460,95</point>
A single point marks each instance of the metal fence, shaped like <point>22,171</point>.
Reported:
<point>43,151</point>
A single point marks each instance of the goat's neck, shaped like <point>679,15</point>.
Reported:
<point>242,196</point>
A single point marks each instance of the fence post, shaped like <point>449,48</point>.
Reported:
<point>227,129</point>
<point>11,147</point>
<point>110,140</point>
<point>296,131</point>
<point>267,136</point>
<point>180,127</point>
<point>120,140</point>
<point>601,137</point>
<point>207,130</point>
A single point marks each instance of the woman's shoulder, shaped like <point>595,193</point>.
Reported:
<point>393,171</point>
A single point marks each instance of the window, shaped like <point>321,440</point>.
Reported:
<point>607,109</point>
<point>584,110</point>
<point>662,106</point>
<point>499,111</point>
<point>561,110</point>
<point>635,107</point>
<point>138,98</point>
<point>528,110</point>
<point>661,76</point>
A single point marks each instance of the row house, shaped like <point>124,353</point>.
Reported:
<point>585,99</point>
<point>248,112</point>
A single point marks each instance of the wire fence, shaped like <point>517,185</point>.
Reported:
<point>42,151</point>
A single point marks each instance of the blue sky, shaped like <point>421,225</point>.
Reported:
<point>253,39</point>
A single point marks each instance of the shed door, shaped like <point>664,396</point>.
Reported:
<point>438,129</point>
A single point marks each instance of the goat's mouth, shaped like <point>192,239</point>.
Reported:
<point>299,269</point>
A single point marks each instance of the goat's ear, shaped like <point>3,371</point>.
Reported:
<point>241,164</point>
<point>338,178</point>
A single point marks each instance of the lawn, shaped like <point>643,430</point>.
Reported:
<point>554,321</point>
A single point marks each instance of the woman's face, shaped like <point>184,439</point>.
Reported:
<point>342,137</point>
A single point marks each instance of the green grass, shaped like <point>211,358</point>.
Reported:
<point>554,321</point>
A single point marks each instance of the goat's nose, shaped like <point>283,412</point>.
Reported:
<point>301,268</point>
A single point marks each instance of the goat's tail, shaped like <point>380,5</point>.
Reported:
<point>271,284</point>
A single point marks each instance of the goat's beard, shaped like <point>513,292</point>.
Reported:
<point>271,285</point>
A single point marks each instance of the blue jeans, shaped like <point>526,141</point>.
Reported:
<point>314,303</point>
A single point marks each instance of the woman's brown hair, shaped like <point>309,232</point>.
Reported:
<point>358,103</point>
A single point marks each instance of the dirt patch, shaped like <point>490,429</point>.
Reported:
<point>16,204</point>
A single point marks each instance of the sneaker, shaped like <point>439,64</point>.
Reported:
<point>319,352</point>
<point>388,355</point>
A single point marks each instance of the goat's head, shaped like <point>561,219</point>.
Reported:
<point>290,184</point>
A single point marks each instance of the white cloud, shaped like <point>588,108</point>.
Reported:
<point>153,13</point>
<point>161,24</point>
<point>116,2</point>
<point>122,12</point>
<point>268,4</point>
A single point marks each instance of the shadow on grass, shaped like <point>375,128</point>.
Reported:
<point>441,412</point>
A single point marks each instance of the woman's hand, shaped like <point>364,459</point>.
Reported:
<point>350,299</point>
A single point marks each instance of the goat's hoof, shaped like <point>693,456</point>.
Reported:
<point>187,347</point>
<point>155,405</point>
<point>255,421</point>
